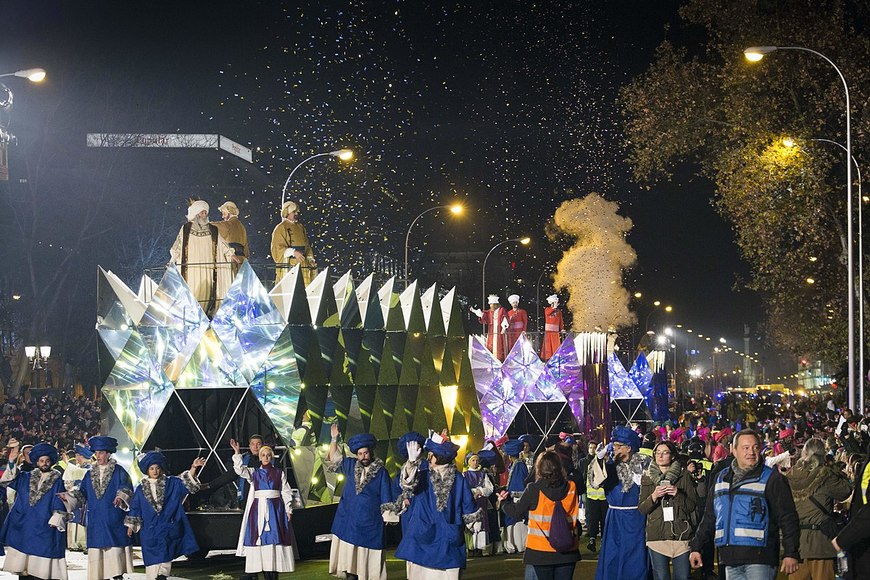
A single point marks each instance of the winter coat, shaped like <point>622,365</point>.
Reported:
<point>684,503</point>
<point>827,486</point>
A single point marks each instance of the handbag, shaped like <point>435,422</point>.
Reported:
<point>833,522</point>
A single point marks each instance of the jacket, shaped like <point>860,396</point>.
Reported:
<point>529,502</point>
<point>683,503</point>
<point>855,537</point>
<point>827,487</point>
<point>783,518</point>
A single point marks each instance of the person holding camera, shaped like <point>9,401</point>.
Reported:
<point>668,499</point>
<point>816,487</point>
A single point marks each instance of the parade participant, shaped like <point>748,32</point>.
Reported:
<point>553,328</point>
<point>668,500</point>
<point>34,533</point>
<point>747,508</point>
<point>399,495</point>
<point>433,545</point>
<point>357,550</point>
<point>514,531</point>
<point>622,554</point>
<point>518,320</point>
<point>538,502</point>
<point>204,258</point>
<point>76,534</point>
<point>290,245</point>
<point>157,513</point>
<point>233,231</point>
<point>105,493</point>
<point>266,539</point>
<point>595,501</point>
<point>495,323</point>
<point>250,458</point>
<point>481,488</point>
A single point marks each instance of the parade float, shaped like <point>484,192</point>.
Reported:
<point>289,362</point>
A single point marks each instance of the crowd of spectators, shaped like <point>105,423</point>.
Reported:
<point>61,420</point>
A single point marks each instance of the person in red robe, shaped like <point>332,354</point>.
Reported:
<point>553,328</point>
<point>495,324</point>
<point>518,320</point>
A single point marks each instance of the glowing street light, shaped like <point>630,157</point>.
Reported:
<point>455,209</point>
<point>34,75</point>
<point>342,154</point>
<point>525,241</point>
<point>755,54</point>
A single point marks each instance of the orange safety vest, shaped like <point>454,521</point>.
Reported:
<point>540,517</point>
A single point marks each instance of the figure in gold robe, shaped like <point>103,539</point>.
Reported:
<point>233,231</point>
<point>290,245</point>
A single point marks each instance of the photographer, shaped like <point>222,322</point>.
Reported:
<point>668,499</point>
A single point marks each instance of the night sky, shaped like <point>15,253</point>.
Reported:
<point>506,106</point>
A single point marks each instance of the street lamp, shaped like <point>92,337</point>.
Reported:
<point>38,356</point>
<point>455,209</point>
<point>656,304</point>
<point>524,241</point>
<point>34,75</point>
<point>342,154</point>
<point>755,54</point>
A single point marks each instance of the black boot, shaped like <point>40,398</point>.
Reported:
<point>249,576</point>
<point>161,577</point>
<point>591,545</point>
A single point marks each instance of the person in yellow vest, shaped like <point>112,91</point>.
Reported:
<point>290,245</point>
<point>540,499</point>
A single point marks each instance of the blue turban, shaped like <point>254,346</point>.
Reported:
<point>84,451</point>
<point>487,457</point>
<point>446,450</point>
<point>43,449</point>
<point>363,440</point>
<point>407,438</point>
<point>151,458</point>
<point>101,443</point>
<point>513,447</point>
<point>524,438</point>
<point>622,434</point>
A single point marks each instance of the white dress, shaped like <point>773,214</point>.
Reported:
<point>201,263</point>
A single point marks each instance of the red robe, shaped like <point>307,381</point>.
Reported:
<point>518,320</point>
<point>495,338</point>
<point>553,327</point>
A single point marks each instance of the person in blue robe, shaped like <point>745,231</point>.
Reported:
<point>433,545</point>
<point>481,488</point>
<point>623,551</point>
<point>515,531</point>
<point>266,539</point>
<point>400,497</point>
<point>105,493</point>
<point>34,533</point>
<point>357,549</point>
<point>157,513</point>
<point>72,479</point>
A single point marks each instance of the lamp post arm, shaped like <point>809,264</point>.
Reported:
<point>286,183</point>
<point>483,276</point>
<point>408,235</point>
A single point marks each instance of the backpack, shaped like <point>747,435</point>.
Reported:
<point>561,536</point>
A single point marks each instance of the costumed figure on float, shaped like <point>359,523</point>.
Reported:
<point>554,326</point>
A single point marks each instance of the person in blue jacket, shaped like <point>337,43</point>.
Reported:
<point>157,513</point>
<point>34,533</point>
<point>105,493</point>
<point>357,550</point>
<point>433,545</point>
<point>399,495</point>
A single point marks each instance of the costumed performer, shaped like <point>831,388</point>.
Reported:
<point>233,231</point>
<point>157,513</point>
<point>266,540</point>
<point>481,488</point>
<point>518,321</point>
<point>290,245</point>
<point>515,531</point>
<point>553,328</point>
<point>495,323</point>
<point>75,471</point>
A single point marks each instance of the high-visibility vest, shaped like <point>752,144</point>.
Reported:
<point>542,515</point>
<point>742,513</point>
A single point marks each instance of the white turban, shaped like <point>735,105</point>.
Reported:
<point>230,208</point>
<point>514,299</point>
<point>552,298</point>
<point>288,207</point>
<point>493,299</point>
<point>195,208</point>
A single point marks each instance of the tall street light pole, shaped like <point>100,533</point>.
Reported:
<point>755,54</point>
<point>455,209</point>
<point>524,241</point>
<point>343,154</point>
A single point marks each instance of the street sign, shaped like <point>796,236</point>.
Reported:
<point>171,141</point>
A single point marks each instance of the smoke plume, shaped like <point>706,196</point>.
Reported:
<point>591,270</point>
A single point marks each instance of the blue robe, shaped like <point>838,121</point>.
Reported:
<point>396,489</point>
<point>358,520</point>
<point>105,521</point>
<point>279,531</point>
<point>516,485</point>
<point>166,534</point>
<point>26,527</point>
<point>436,539</point>
<point>623,550</point>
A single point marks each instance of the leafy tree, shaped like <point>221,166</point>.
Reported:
<point>702,102</point>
